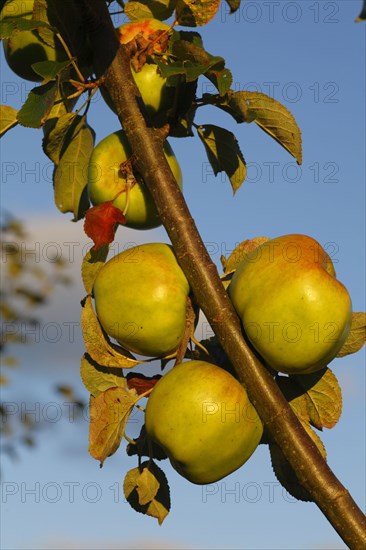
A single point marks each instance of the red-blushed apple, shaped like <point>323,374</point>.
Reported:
<point>294,311</point>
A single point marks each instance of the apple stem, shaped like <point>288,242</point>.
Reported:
<point>131,441</point>
<point>199,345</point>
<point>129,182</point>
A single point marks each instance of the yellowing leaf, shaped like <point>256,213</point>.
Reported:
<point>97,344</point>
<point>233,4</point>
<point>324,397</point>
<point>93,261</point>
<point>240,252</point>
<point>357,336</point>
<point>224,153</point>
<point>195,13</point>
<point>8,118</point>
<point>109,412</point>
<point>98,379</point>
<point>276,120</point>
<point>146,489</point>
<point>269,114</point>
<point>315,437</point>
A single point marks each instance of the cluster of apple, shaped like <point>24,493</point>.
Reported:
<point>286,288</point>
<point>294,312</point>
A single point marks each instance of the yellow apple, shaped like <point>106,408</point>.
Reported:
<point>294,311</point>
<point>141,299</point>
<point>106,180</point>
<point>201,416</point>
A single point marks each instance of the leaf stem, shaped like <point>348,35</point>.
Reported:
<point>69,55</point>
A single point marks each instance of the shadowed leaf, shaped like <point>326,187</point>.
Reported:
<point>156,9</point>
<point>71,174</point>
<point>147,491</point>
<point>38,105</point>
<point>224,153</point>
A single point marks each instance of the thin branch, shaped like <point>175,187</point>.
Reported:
<point>281,423</point>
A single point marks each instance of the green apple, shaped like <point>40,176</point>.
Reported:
<point>141,299</point>
<point>24,48</point>
<point>106,180</point>
<point>156,95</point>
<point>201,416</point>
<point>294,311</point>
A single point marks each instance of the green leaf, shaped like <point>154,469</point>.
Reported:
<point>71,175</point>
<point>324,397</point>
<point>224,153</point>
<point>11,25</point>
<point>38,105</point>
<point>98,379</point>
<point>221,77</point>
<point>156,9</point>
<point>357,335</point>
<point>54,139</point>
<point>93,261</point>
<point>8,119</point>
<point>98,345</point>
<point>189,48</point>
<point>147,491</point>
<point>109,414</point>
<point>269,114</point>
<point>195,13</point>
<point>190,71</point>
<point>49,70</point>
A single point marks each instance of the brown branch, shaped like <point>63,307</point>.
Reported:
<point>281,423</point>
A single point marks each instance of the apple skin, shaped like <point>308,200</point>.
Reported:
<point>24,48</point>
<point>141,299</point>
<point>105,181</point>
<point>201,416</point>
<point>294,311</point>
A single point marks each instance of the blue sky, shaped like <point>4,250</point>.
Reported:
<point>311,57</point>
